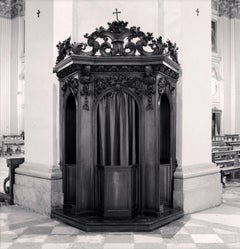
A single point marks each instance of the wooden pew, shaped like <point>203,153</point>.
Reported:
<point>233,144</point>
<point>218,143</point>
<point>221,148</point>
<point>9,141</point>
<point>228,161</point>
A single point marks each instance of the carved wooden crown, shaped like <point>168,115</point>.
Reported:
<point>118,40</point>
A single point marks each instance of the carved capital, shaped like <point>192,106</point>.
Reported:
<point>12,9</point>
<point>72,84</point>
<point>165,86</point>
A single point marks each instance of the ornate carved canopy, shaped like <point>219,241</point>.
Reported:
<point>118,40</point>
<point>117,58</point>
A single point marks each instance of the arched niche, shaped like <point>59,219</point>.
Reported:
<point>165,130</point>
<point>70,150</point>
<point>165,167</point>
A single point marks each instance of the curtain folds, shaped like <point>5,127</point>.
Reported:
<point>117,122</point>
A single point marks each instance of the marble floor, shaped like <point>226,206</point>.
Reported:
<point>218,228</point>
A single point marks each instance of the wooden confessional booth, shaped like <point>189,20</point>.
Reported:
<point>117,130</point>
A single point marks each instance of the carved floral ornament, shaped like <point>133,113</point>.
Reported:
<point>164,86</point>
<point>118,40</point>
<point>117,82</point>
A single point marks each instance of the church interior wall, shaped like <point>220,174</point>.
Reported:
<point>137,13</point>
<point>39,113</point>
<point>194,97</point>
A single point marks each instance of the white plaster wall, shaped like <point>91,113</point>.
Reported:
<point>96,13</point>
<point>62,25</point>
<point>192,35</point>
<point>41,87</point>
<point>39,83</point>
<point>5,75</point>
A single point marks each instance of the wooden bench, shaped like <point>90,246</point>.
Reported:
<point>233,144</point>
<point>218,143</point>
<point>8,194</point>
<point>9,141</point>
<point>221,157</point>
<point>221,148</point>
<point>228,161</point>
<point>226,170</point>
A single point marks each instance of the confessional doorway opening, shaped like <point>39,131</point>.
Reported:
<point>117,155</point>
<point>70,151</point>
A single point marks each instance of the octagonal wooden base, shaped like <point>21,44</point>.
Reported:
<point>98,224</point>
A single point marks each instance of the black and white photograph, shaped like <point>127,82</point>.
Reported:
<point>120,124</point>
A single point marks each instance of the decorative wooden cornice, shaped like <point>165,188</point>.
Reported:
<point>118,40</point>
<point>12,8</point>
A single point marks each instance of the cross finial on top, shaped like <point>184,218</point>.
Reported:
<point>117,12</point>
<point>198,11</point>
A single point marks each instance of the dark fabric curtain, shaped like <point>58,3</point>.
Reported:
<point>117,121</point>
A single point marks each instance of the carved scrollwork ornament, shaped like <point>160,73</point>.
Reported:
<point>85,80</point>
<point>111,42</point>
<point>150,81</point>
<point>72,84</point>
<point>117,82</point>
<point>164,85</point>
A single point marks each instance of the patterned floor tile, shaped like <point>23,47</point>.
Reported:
<point>212,246</point>
<point>65,230</point>
<point>181,246</point>
<point>150,246</point>
<point>60,239</point>
<point>199,230</point>
<point>119,239</point>
<point>5,245</point>
<point>206,238</point>
<point>38,230</point>
<point>118,246</point>
<point>8,237</point>
<point>222,231</point>
<point>31,238</point>
<point>89,239</point>
<point>230,238</point>
<point>233,246</point>
<point>26,246</point>
<point>179,238</point>
<point>148,239</point>
<point>56,246</point>
<point>86,246</point>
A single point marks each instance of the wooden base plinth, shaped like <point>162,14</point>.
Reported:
<point>98,224</point>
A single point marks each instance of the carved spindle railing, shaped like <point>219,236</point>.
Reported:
<point>12,164</point>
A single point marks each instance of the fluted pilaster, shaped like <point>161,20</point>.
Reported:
<point>5,75</point>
